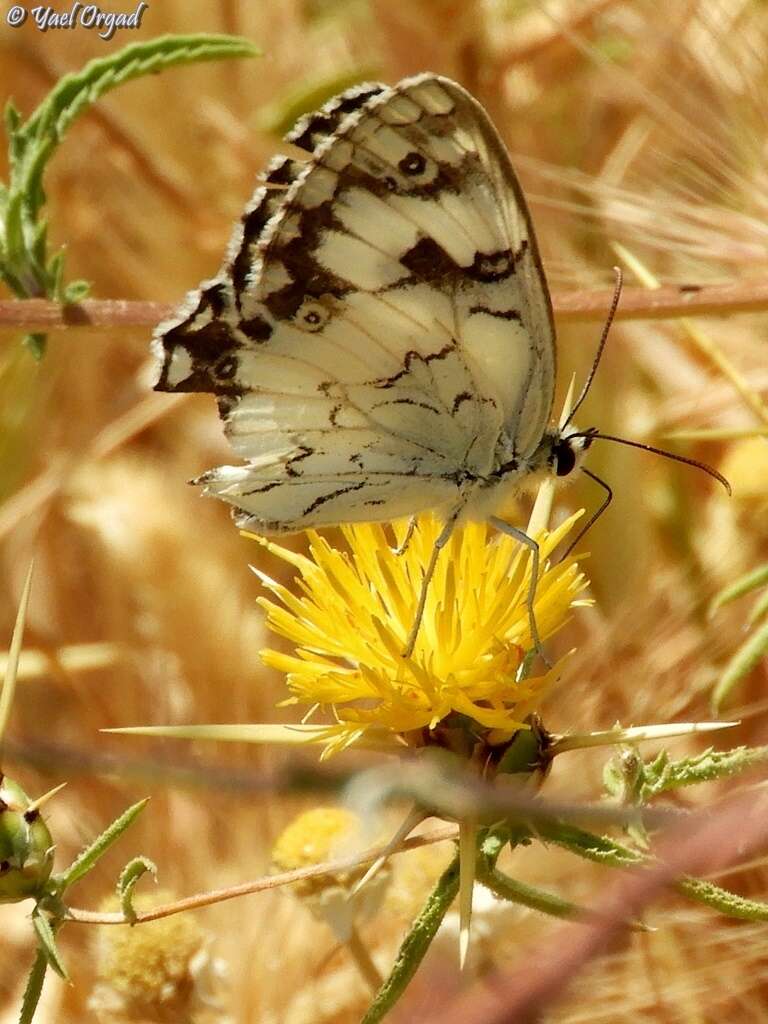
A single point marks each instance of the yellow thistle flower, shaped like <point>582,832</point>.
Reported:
<point>161,971</point>
<point>318,836</point>
<point>356,608</point>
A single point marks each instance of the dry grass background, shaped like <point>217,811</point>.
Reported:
<point>624,126</point>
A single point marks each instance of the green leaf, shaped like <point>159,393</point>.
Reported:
<point>75,92</point>
<point>492,841</point>
<point>741,664</point>
<point>91,854</point>
<point>423,930</point>
<point>34,988</point>
<point>759,610</point>
<point>47,943</point>
<point>728,903</point>
<point>601,849</point>
<point>744,585</point>
<point>76,291</point>
<point>24,263</point>
<point>662,774</point>
<point>510,889</point>
<point>126,883</point>
<point>12,118</point>
<point>56,276</point>
<point>36,343</point>
<point>416,943</point>
<point>13,232</point>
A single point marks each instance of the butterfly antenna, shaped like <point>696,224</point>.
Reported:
<point>595,435</point>
<point>603,338</point>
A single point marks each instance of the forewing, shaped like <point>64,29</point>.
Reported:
<point>382,313</point>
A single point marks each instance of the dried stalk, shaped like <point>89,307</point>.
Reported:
<point>668,302</point>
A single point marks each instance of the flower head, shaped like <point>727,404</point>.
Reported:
<point>161,971</point>
<point>320,835</point>
<point>352,620</point>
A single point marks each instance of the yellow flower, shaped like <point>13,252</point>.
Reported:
<point>356,608</point>
<point>160,971</point>
<point>318,836</point>
<point>313,838</point>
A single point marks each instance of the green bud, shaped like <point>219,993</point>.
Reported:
<point>26,848</point>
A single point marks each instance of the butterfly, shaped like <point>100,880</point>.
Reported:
<point>380,339</point>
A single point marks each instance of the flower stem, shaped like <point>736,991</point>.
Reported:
<point>362,957</point>
<point>416,943</point>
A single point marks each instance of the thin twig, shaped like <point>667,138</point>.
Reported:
<point>206,899</point>
<point>668,302</point>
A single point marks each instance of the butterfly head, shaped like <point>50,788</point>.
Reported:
<point>565,451</point>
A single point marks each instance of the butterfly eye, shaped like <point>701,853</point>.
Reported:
<point>226,367</point>
<point>312,316</point>
<point>565,459</point>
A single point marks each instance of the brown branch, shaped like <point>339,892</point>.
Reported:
<point>667,302</point>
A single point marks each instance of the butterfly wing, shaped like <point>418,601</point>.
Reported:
<point>382,318</point>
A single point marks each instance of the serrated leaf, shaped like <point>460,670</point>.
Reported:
<point>663,775</point>
<point>26,267</point>
<point>91,854</point>
<point>741,664</point>
<point>126,883</point>
<point>34,988</point>
<point>47,943</point>
<point>600,849</point>
<point>76,91</point>
<point>744,585</point>
<point>728,903</point>
<point>514,891</point>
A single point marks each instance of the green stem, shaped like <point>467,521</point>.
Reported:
<point>416,943</point>
<point>490,843</point>
<point>728,903</point>
<point>510,889</point>
<point>34,988</point>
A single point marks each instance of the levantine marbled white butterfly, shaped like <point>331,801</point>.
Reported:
<point>380,339</point>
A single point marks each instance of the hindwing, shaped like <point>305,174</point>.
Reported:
<point>381,320</point>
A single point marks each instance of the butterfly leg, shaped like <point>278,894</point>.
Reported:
<point>533,547</point>
<point>402,547</point>
<point>440,543</point>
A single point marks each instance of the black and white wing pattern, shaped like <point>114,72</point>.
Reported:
<point>381,328</point>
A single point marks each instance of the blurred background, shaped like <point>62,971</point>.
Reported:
<point>624,126</point>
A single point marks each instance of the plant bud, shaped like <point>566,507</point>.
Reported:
<point>26,848</point>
